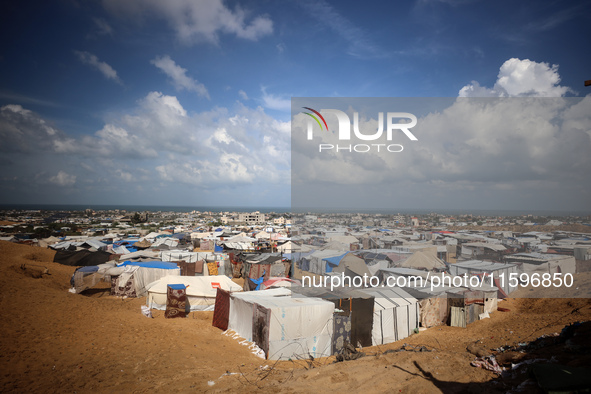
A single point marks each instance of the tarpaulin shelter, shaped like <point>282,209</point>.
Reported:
<point>486,269</point>
<point>81,258</point>
<point>135,278</point>
<point>200,291</point>
<point>348,302</point>
<point>283,327</point>
<point>395,314</point>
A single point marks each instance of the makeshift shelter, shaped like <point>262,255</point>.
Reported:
<point>350,302</point>
<point>283,327</point>
<point>135,278</point>
<point>395,314</point>
<point>543,263</point>
<point>200,291</point>
<point>423,260</point>
<point>316,263</point>
<point>350,265</point>
<point>81,258</point>
<point>88,276</point>
<point>279,282</point>
<point>485,269</point>
<point>266,265</point>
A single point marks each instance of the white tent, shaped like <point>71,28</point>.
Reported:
<point>395,315</point>
<point>478,267</point>
<point>284,327</point>
<point>201,290</point>
<point>178,255</point>
<point>137,276</point>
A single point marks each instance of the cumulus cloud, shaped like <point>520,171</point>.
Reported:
<point>276,102</point>
<point>63,179</point>
<point>520,78</point>
<point>21,130</point>
<point>104,68</point>
<point>159,142</point>
<point>513,152</point>
<point>178,76</point>
<point>359,42</point>
<point>102,27</point>
<point>196,20</point>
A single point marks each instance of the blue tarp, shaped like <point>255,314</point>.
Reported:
<point>90,268</point>
<point>125,242</point>
<point>334,261</point>
<point>218,249</point>
<point>151,264</point>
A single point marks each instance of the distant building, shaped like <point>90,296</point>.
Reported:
<point>279,221</point>
<point>252,218</point>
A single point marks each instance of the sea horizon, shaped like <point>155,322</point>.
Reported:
<point>298,210</point>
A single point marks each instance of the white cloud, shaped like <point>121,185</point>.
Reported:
<point>520,78</point>
<point>475,153</point>
<point>243,94</point>
<point>104,68</point>
<point>103,27</point>
<point>195,20</point>
<point>359,42</point>
<point>63,179</point>
<point>475,140</point>
<point>272,101</point>
<point>21,130</point>
<point>178,76</point>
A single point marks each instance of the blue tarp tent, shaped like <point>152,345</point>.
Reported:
<point>332,262</point>
<point>151,264</point>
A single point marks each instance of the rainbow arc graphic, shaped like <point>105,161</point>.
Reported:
<point>315,118</point>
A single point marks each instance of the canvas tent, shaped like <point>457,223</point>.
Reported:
<point>488,268</point>
<point>543,263</point>
<point>283,327</point>
<point>348,263</point>
<point>135,278</point>
<point>356,305</point>
<point>423,260</point>
<point>81,258</point>
<point>200,291</point>
<point>395,314</point>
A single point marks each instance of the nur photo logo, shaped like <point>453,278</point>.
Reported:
<point>394,123</point>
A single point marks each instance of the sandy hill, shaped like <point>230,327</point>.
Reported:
<point>55,341</point>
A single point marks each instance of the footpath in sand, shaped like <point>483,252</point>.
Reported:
<point>55,341</point>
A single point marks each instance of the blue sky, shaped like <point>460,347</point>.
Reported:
<point>188,102</point>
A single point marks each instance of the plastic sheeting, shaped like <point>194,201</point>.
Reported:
<point>395,316</point>
<point>201,290</point>
<point>285,327</point>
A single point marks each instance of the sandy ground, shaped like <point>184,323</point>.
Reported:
<point>55,341</point>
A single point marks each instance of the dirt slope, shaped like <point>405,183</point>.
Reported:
<point>55,341</point>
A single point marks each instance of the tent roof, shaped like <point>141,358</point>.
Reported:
<point>197,286</point>
<point>420,259</point>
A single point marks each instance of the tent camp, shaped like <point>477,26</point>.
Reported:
<point>283,327</point>
<point>200,291</point>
